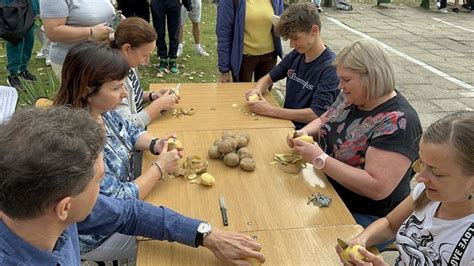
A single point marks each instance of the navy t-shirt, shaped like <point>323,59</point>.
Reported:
<point>308,85</point>
<point>347,132</point>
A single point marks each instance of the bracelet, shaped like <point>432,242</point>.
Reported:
<point>162,177</point>
<point>150,96</point>
<point>92,34</point>
<point>152,146</point>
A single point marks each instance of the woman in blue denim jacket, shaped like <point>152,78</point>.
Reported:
<point>93,77</point>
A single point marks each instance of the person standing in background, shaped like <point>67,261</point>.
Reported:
<point>195,16</point>
<point>246,45</point>
<point>68,22</point>
<point>19,55</point>
<point>135,8</point>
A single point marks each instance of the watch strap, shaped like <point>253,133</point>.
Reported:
<point>152,146</point>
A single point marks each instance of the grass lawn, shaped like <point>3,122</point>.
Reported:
<point>193,68</point>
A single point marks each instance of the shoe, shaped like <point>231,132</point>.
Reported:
<point>40,55</point>
<point>173,67</point>
<point>15,82</point>
<point>163,65</point>
<point>320,9</point>
<point>27,75</point>
<point>47,61</point>
<point>466,6</point>
<point>443,10</point>
<point>200,51</point>
<point>180,50</point>
<point>456,10</point>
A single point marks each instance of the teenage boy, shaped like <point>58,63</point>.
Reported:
<point>312,81</point>
<point>50,177</point>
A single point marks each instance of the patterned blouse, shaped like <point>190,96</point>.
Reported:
<point>347,132</point>
<point>118,162</point>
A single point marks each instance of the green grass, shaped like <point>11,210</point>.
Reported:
<point>193,68</point>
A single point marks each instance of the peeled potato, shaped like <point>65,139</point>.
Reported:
<point>254,98</point>
<point>306,138</point>
<point>354,250</point>
<point>207,179</point>
<point>174,144</point>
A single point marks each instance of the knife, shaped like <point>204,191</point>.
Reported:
<point>342,243</point>
<point>223,211</point>
<point>172,91</point>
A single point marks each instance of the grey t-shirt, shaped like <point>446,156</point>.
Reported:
<point>81,13</point>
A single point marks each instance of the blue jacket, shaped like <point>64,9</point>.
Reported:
<point>230,34</point>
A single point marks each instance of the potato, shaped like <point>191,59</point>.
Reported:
<point>244,153</point>
<point>174,144</point>
<point>247,164</point>
<point>226,134</point>
<point>247,136</point>
<point>231,159</point>
<point>306,138</point>
<point>217,141</point>
<point>254,98</point>
<point>226,146</point>
<point>253,261</point>
<point>354,250</point>
<point>214,153</point>
<point>207,179</point>
<point>241,142</point>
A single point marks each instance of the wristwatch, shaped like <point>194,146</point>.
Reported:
<point>204,229</point>
<point>152,146</point>
<point>320,161</point>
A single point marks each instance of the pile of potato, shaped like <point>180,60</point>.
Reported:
<point>233,150</point>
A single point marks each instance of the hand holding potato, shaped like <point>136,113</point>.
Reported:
<point>292,135</point>
<point>358,255</point>
<point>307,150</point>
<point>168,160</point>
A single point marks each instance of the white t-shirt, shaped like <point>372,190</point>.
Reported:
<point>81,13</point>
<point>426,240</point>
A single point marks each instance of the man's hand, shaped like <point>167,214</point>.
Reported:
<point>261,107</point>
<point>225,78</point>
<point>232,248</point>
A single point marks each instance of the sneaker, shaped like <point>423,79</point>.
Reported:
<point>173,67</point>
<point>40,55</point>
<point>27,75</point>
<point>200,51</point>
<point>163,65</point>
<point>15,82</point>
<point>180,50</point>
<point>443,10</point>
<point>320,9</point>
<point>47,61</point>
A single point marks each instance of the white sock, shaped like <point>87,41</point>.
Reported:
<point>180,45</point>
<point>198,45</point>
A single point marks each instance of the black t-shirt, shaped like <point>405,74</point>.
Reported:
<point>347,132</point>
<point>308,85</point>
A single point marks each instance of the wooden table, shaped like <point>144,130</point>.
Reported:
<point>303,246</point>
<point>268,202</point>
<point>212,103</point>
<point>265,199</point>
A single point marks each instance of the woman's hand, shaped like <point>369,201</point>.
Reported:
<point>160,144</point>
<point>306,150</point>
<point>370,259</point>
<point>100,32</point>
<point>168,160</point>
<point>291,136</point>
<point>166,101</point>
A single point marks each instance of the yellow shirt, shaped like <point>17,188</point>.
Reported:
<point>258,37</point>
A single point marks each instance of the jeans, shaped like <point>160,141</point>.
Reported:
<point>365,220</point>
<point>19,56</point>
<point>166,12</point>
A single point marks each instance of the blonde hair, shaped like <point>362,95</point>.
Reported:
<point>456,130</point>
<point>371,62</point>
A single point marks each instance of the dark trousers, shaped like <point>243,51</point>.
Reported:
<point>443,3</point>
<point>19,55</point>
<point>166,13</point>
<point>135,8</point>
<point>256,66</point>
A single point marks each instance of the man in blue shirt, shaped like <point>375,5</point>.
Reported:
<point>51,166</point>
<point>312,81</point>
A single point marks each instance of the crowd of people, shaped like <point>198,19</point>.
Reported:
<point>82,198</point>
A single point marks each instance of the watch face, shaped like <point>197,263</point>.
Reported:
<point>318,163</point>
<point>204,228</point>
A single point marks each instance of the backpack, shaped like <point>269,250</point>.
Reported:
<point>16,19</point>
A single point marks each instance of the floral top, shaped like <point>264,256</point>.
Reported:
<point>347,132</point>
<point>118,163</point>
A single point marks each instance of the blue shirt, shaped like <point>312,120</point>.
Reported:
<point>129,217</point>
<point>118,165</point>
<point>308,85</point>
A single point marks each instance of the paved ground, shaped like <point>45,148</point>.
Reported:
<point>443,43</point>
